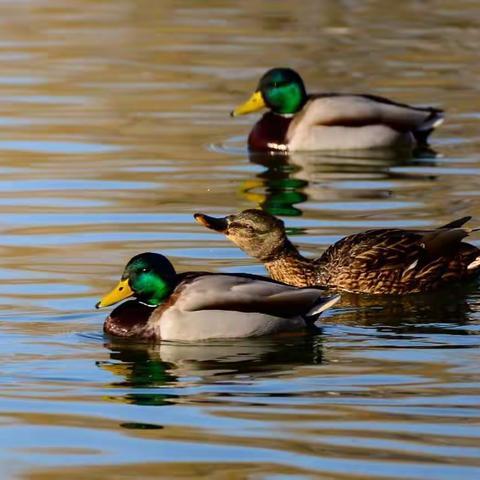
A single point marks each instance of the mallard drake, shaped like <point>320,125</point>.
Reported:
<point>382,261</point>
<point>200,305</point>
<point>331,121</point>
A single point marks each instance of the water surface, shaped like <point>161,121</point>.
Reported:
<point>114,130</point>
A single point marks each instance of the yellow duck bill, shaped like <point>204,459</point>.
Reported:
<point>253,104</point>
<point>119,293</point>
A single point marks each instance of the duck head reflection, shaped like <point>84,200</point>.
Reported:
<point>292,179</point>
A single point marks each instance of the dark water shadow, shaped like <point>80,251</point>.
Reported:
<point>447,311</point>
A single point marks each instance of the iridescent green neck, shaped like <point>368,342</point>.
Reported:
<point>150,288</point>
<point>285,99</point>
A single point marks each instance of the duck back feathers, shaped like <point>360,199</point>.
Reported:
<point>234,306</point>
<point>399,261</point>
<point>339,121</point>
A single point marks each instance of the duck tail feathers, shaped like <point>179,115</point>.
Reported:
<point>320,306</point>
<point>456,223</point>
<point>474,265</point>
<point>434,120</point>
<point>423,131</point>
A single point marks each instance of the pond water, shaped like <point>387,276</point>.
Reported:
<point>114,130</point>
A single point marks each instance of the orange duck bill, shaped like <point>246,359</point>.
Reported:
<point>213,223</point>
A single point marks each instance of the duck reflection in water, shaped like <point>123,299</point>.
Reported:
<point>292,179</point>
<point>445,311</point>
<point>147,371</point>
<point>276,190</point>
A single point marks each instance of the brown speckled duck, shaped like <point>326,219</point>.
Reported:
<point>381,261</point>
<point>297,121</point>
<point>194,306</point>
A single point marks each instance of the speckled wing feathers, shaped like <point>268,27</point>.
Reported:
<point>398,261</point>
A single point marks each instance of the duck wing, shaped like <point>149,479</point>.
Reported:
<point>250,293</point>
<point>352,110</point>
<point>374,250</point>
<point>390,249</point>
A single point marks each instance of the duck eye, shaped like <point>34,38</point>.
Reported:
<point>241,227</point>
<point>145,269</point>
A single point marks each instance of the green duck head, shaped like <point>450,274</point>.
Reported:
<point>150,277</point>
<point>280,89</point>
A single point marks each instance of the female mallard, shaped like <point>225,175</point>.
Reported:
<point>200,306</point>
<point>331,121</point>
<point>383,261</point>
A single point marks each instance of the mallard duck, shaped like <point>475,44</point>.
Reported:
<point>200,305</point>
<point>383,261</point>
<point>331,121</point>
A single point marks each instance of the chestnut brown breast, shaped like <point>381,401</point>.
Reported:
<point>270,129</point>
